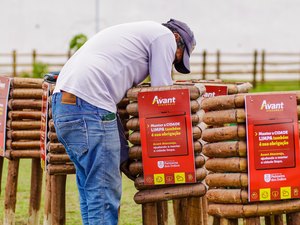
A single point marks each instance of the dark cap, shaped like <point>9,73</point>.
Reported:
<point>189,41</point>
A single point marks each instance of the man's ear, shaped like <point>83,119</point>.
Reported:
<point>177,36</point>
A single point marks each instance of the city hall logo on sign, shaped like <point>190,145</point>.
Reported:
<point>163,101</point>
<point>160,164</point>
<point>272,107</point>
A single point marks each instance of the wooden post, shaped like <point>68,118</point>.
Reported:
<point>204,65</point>
<point>1,170</point>
<point>149,212</point>
<point>11,192</point>
<point>204,210</point>
<point>33,57</point>
<point>47,204</point>
<point>162,213</point>
<point>14,63</point>
<point>252,221</point>
<point>292,218</point>
<point>225,221</point>
<point>216,220</point>
<point>179,209</point>
<point>35,191</point>
<point>58,200</point>
<point>263,61</point>
<point>254,68</point>
<point>218,69</point>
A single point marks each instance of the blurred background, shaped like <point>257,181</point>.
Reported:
<point>230,25</point>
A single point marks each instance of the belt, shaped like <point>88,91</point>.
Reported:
<point>68,98</point>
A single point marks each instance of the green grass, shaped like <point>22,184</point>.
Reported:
<point>130,214</point>
<point>277,86</point>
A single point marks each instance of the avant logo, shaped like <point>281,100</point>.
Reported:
<point>272,106</point>
<point>161,101</point>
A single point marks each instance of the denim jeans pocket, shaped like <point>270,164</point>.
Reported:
<point>73,135</point>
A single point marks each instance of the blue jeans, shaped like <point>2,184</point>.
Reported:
<point>91,138</point>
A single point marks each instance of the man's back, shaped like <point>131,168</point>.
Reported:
<point>116,58</point>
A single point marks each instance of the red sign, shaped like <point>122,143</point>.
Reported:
<point>166,137</point>
<point>273,147</point>
<point>4,92</point>
<point>213,90</point>
<point>44,121</point>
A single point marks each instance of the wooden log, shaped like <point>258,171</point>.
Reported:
<point>24,134</point>
<point>224,116</point>
<point>18,104</point>
<point>29,154</point>
<point>1,170</point>
<point>53,169</point>
<point>227,196</point>
<point>58,200</point>
<point>57,158</point>
<point>168,193</point>
<point>225,221</point>
<point>223,102</point>
<point>234,180</point>
<point>252,221</point>
<point>136,168</point>
<point>234,164</point>
<point>254,209</point>
<point>188,211</point>
<point>47,201</point>
<point>23,125</point>
<point>123,103</point>
<point>229,116</point>
<point>204,210</point>
<point>235,101</point>
<point>199,161</point>
<point>35,191</point>
<point>22,93</point>
<point>162,213</point>
<point>149,213</point>
<point>20,82</point>
<point>195,91</point>
<point>52,136</point>
<point>51,125</point>
<point>140,185</point>
<point>180,212</point>
<point>292,218</point>
<point>56,148</point>
<point>228,133</point>
<point>274,220</point>
<point>20,115</point>
<point>123,114</point>
<point>11,191</point>
<point>22,145</point>
<point>225,149</point>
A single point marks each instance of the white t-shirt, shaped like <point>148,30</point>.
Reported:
<point>117,58</point>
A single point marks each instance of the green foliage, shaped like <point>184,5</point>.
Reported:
<point>77,41</point>
<point>39,69</point>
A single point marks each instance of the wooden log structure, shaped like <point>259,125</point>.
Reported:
<point>168,193</point>
<point>227,178</point>
<point>233,101</point>
<point>23,141</point>
<point>195,91</point>
<point>254,209</point>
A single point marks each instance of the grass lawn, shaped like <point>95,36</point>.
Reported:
<point>131,213</point>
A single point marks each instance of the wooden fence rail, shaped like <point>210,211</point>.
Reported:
<point>245,66</point>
